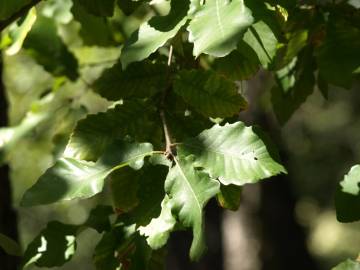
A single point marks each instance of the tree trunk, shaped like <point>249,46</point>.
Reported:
<point>8,217</point>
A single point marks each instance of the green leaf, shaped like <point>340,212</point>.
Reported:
<point>347,199</point>
<point>218,26</point>
<point>158,230</point>
<point>150,194</point>
<point>208,93</point>
<point>98,7</point>
<point>189,190</point>
<point>239,65</point>
<point>295,84</point>
<point>54,246</point>
<point>141,80</point>
<point>99,218</point>
<point>263,41</point>
<point>128,6</point>
<point>229,197</point>
<point>9,7</point>
<point>233,153</point>
<point>104,254</point>
<point>94,31</point>
<point>20,32</point>
<point>9,245</point>
<point>72,179</point>
<point>351,182</point>
<point>154,33</point>
<point>46,47</point>
<point>337,57</point>
<point>96,132</point>
<point>124,186</point>
<point>348,265</point>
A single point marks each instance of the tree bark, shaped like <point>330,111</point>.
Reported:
<point>8,216</point>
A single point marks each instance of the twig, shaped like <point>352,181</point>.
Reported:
<point>21,12</point>
<point>168,148</point>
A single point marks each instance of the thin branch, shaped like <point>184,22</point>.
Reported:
<point>21,12</point>
<point>168,148</point>
<point>168,151</point>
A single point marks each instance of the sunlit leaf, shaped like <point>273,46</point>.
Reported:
<point>348,265</point>
<point>77,179</point>
<point>347,200</point>
<point>218,26</point>
<point>189,190</point>
<point>233,153</point>
<point>158,230</point>
<point>154,33</point>
<point>263,41</point>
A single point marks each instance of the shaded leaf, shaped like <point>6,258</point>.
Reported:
<point>96,132</point>
<point>99,218</point>
<point>124,186</point>
<point>98,7</point>
<point>208,93</point>
<point>337,57</point>
<point>239,65</point>
<point>150,194</point>
<point>46,47</point>
<point>229,197</point>
<point>9,7</point>
<point>154,33</point>
<point>54,246</point>
<point>94,31</point>
<point>233,153</point>
<point>141,80</point>
<point>9,245</point>
<point>78,179</point>
<point>218,26</point>
<point>189,190</point>
<point>295,83</point>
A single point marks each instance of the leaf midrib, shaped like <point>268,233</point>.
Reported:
<point>188,184</point>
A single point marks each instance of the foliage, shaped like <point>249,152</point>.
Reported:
<point>156,143</point>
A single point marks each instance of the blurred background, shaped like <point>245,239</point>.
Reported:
<point>286,222</point>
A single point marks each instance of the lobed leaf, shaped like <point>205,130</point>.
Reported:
<point>189,190</point>
<point>158,230</point>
